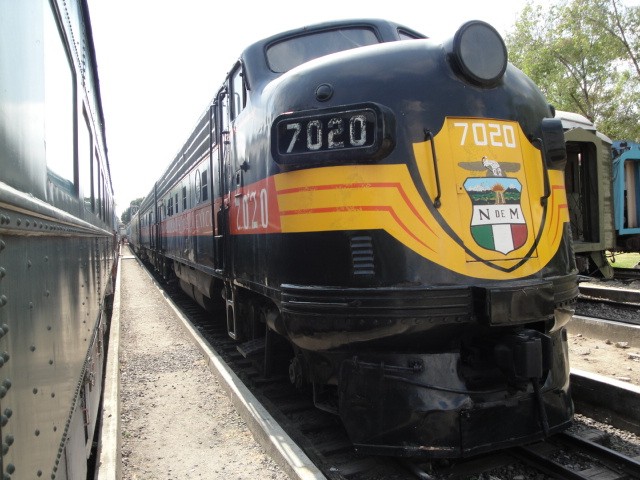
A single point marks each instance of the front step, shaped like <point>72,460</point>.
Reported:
<point>252,348</point>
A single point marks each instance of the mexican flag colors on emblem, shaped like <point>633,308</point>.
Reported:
<point>497,222</point>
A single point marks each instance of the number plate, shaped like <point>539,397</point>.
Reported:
<point>339,134</point>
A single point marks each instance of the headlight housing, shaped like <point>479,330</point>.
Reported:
<point>478,53</point>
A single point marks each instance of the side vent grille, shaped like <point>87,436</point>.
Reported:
<point>362,255</point>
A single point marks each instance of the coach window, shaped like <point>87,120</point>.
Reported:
<point>213,125</point>
<point>238,92</point>
<point>176,202</point>
<point>198,186</point>
<point>103,211</point>
<point>95,184</point>
<point>100,193</point>
<point>85,150</point>
<point>184,198</point>
<point>223,110</point>
<point>205,186</point>
<point>109,216</point>
<point>59,109</point>
<point>98,188</point>
<point>104,198</point>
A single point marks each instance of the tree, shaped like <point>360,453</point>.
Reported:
<point>126,215</point>
<point>584,56</point>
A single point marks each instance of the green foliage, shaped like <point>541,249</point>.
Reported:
<point>126,215</point>
<point>583,54</point>
<point>625,260</point>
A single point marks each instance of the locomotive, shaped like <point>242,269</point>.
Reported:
<point>57,240</point>
<point>389,215</point>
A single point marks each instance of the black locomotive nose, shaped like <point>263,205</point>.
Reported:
<point>478,53</point>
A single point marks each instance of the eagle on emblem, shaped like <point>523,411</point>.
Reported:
<point>493,168</point>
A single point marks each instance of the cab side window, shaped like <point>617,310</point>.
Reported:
<point>238,92</point>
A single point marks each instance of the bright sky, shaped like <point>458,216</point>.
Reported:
<point>161,62</point>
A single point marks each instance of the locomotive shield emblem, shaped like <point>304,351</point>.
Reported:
<point>485,184</point>
<point>497,220</point>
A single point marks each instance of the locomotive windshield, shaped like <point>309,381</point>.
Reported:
<point>289,53</point>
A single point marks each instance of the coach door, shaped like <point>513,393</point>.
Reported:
<point>161,240</point>
<point>153,220</point>
<point>228,180</point>
<point>220,182</point>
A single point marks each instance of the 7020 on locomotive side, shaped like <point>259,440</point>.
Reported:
<point>389,213</point>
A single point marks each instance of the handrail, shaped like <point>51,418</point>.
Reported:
<point>428,135</point>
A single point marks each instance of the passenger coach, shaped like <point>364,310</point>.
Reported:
<point>57,240</point>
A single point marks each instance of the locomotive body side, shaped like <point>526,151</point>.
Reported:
<point>397,213</point>
<point>57,239</point>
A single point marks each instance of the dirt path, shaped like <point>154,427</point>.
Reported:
<point>619,360</point>
<point>177,422</point>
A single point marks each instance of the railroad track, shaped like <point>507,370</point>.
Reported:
<point>321,436</point>
<point>626,274</point>
<point>564,456</point>
<point>602,463</point>
<point>610,300</point>
<point>616,295</point>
